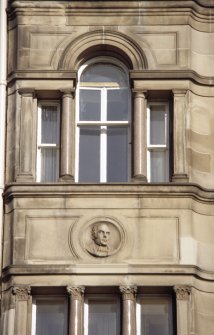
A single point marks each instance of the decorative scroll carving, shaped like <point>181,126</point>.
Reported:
<point>182,292</point>
<point>128,292</point>
<point>21,292</point>
<point>76,292</point>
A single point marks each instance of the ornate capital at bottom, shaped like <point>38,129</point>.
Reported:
<point>182,292</point>
<point>128,292</point>
<point>21,292</point>
<point>76,292</point>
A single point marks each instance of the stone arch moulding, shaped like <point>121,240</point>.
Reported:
<point>102,41</point>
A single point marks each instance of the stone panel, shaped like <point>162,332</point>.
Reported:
<point>162,45</point>
<point>158,239</point>
<point>47,238</point>
<point>43,47</point>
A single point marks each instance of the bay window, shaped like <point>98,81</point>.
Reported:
<point>100,140</point>
<point>103,315</point>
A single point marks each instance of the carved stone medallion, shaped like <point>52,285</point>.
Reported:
<point>99,238</point>
<point>103,237</point>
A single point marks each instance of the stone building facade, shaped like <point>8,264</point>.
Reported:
<point>108,203</point>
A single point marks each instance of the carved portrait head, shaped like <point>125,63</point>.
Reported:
<point>100,233</point>
<point>100,236</point>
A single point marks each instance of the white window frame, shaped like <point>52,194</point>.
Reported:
<point>103,123</point>
<point>41,145</point>
<point>101,297</point>
<point>45,298</point>
<point>154,297</point>
<point>158,147</point>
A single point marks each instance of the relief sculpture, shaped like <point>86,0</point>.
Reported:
<point>100,244</point>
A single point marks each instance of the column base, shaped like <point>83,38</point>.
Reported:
<point>180,178</point>
<point>25,178</point>
<point>139,179</point>
<point>67,178</point>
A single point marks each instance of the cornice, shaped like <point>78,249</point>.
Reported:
<point>126,190</point>
<point>114,3</point>
<point>192,12</point>
<point>172,75</point>
<point>41,74</point>
<point>108,270</point>
<point>135,75</point>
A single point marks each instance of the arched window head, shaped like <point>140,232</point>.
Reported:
<point>103,123</point>
<point>105,73</point>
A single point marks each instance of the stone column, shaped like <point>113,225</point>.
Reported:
<point>179,142</point>
<point>76,309</point>
<point>129,309</point>
<point>140,140</point>
<point>182,306</point>
<point>22,295</point>
<point>67,162</point>
<point>27,131</point>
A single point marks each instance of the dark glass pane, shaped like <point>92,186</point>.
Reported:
<point>50,125</point>
<point>117,105</point>
<point>49,164</point>
<point>103,318</point>
<point>105,73</point>
<point>156,316</point>
<point>117,154</point>
<point>51,317</point>
<point>90,105</point>
<point>89,155</point>
<point>159,166</point>
<point>157,124</point>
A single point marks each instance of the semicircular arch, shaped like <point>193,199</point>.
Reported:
<point>102,43</point>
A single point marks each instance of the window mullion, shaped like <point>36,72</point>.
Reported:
<point>103,137</point>
<point>148,144</point>
<point>33,324</point>
<point>138,318</point>
<point>166,127</point>
<point>86,317</point>
<point>39,131</point>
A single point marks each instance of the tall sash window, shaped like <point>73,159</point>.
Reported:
<point>103,124</point>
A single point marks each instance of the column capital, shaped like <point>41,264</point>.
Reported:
<point>179,92</point>
<point>27,92</point>
<point>182,292</point>
<point>75,292</point>
<point>21,292</point>
<point>128,292</point>
<point>68,92</point>
<point>138,93</point>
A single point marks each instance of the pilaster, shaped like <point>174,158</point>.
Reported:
<point>27,143</point>
<point>22,295</point>
<point>182,306</point>
<point>179,130</point>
